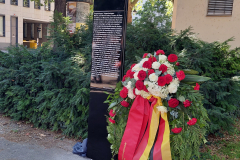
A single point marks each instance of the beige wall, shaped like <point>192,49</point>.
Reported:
<point>22,13</point>
<point>209,28</point>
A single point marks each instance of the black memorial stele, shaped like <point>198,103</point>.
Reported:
<point>109,30</point>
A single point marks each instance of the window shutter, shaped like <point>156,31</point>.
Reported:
<point>220,7</point>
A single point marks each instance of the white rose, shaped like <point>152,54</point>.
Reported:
<point>156,65</point>
<point>172,88</point>
<point>153,77</point>
<point>136,68</point>
<point>146,83</point>
<point>162,58</point>
<point>175,81</point>
<point>135,75</point>
<point>162,109</point>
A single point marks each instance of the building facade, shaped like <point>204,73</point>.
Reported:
<point>212,20</point>
<point>22,21</point>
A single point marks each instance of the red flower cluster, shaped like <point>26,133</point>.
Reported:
<point>177,130</point>
<point>133,65</point>
<point>173,102</point>
<point>145,55</point>
<point>147,64</point>
<point>192,121</point>
<point>139,85</point>
<point>151,71</point>
<point>124,103</point>
<point>152,59</point>
<point>160,52</point>
<point>177,64</point>
<point>187,103</point>
<point>111,113</point>
<point>161,81</point>
<point>111,120</point>
<point>197,87</point>
<point>130,73</point>
<point>172,58</point>
<point>124,92</point>
<point>168,78</point>
<point>142,75</point>
<point>163,68</point>
<point>180,75</point>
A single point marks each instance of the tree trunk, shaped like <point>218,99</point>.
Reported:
<point>60,6</point>
<point>130,7</point>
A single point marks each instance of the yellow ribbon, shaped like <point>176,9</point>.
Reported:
<point>165,148</point>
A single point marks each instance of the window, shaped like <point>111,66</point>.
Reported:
<point>25,30</point>
<point>32,30</point>
<point>26,3</point>
<point>47,6</point>
<point>37,5</point>
<point>14,2</point>
<point>220,7</point>
<point>2,1</point>
<point>2,26</point>
<point>48,30</point>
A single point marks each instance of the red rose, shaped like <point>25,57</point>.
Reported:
<point>151,71</point>
<point>124,103</point>
<point>130,73</point>
<point>147,64</point>
<point>145,55</point>
<point>168,78</point>
<point>124,78</point>
<point>172,58</point>
<point>161,81</point>
<point>160,52</point>
<point>197,87</point>
<point>163,68</point>
<point>111,113</point>
<point>180,75</point>
<point>192,121</point>
<point>177,130</point>
<point>142,75</point>
<point>177,64</point>
<point>152,59</point>
<point>139,85</point>
<point>111,120</point>
<point>124,92</point>
<point>187,103</point>
<point>173,102</point>
<point>133,65</point>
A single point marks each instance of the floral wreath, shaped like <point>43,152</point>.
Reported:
<point>154,96</point>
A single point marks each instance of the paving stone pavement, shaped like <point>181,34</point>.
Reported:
<point>23,151</point>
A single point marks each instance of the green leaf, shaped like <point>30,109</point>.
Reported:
<point>112,105</point>
<point>195,78</point>
<point>181,98</point>
<point>190,71</point>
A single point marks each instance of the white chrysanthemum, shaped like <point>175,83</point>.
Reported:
<point>130,93</point>
<point>129,85</point>
<point>162,109</point>
<point>175,81</point>
<point>143,60</point>
<point>144,94</point>
<point>170,69</point>
<point>156,65</point>
<point>172,88</point>
<point>137,92</point>
<point>162,58</point>
<point>158,91</point>
<point>135,75</point>
<point>153,77</point>
<point>136,68</point>
<point>151,84</point>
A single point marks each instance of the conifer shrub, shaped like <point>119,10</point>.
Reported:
<point>49,86</point>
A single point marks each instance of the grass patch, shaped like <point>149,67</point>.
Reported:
<point>231,149</point>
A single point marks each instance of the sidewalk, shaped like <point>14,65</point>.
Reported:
<point>19,141</point>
